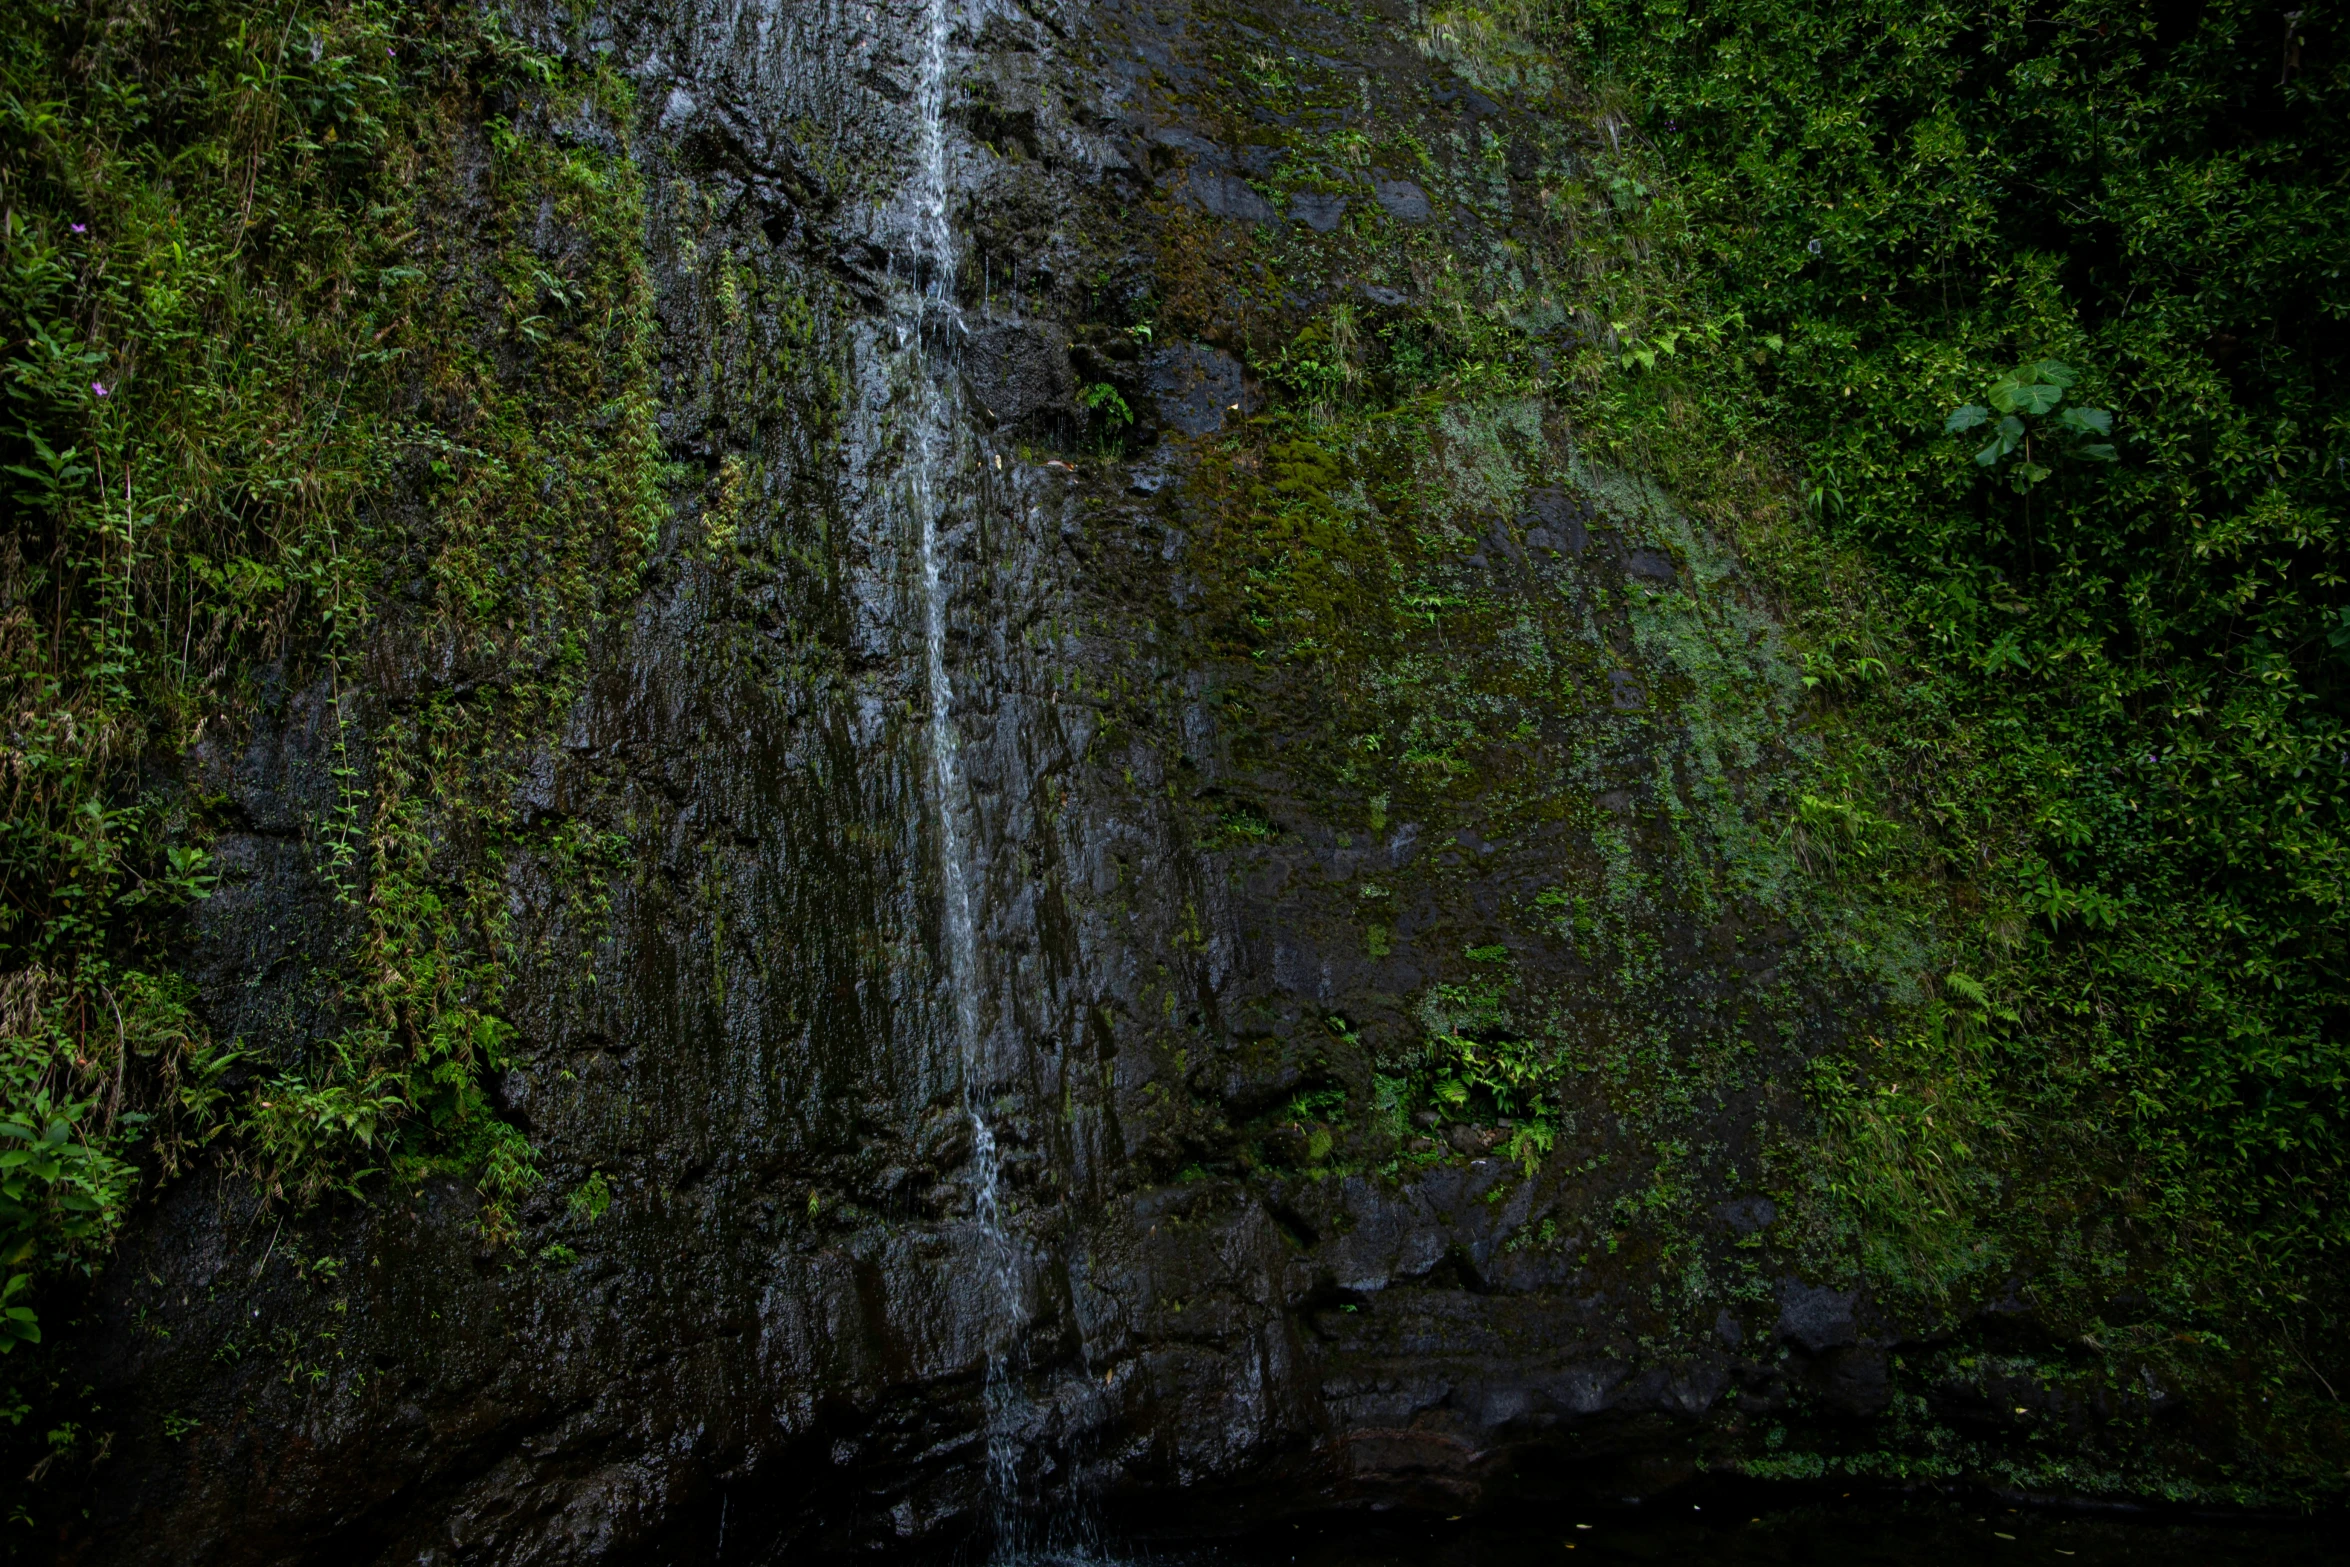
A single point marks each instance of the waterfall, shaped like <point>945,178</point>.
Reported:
<point>929,323</point>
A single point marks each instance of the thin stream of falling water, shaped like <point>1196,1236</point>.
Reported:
<point>936,320</point>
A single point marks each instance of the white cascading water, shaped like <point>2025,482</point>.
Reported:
<point>929,322</point>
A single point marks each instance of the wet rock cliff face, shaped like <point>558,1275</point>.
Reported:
<point>1373,1070</point>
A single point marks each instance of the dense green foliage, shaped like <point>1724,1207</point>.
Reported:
<point>2102,675</point>
<point>2004,344</point>
<point>182,466</point>
<point>274,398</point>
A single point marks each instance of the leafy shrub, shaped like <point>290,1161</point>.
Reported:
<point>219,352</point>
<point>2112,580</point>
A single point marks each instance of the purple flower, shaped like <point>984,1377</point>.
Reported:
<point>99,387</point>
<point>80,228</point>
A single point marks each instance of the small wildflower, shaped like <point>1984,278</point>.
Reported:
<point>80,228</point>
<point>99,387</point>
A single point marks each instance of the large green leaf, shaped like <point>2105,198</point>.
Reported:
<point>2026,397</point>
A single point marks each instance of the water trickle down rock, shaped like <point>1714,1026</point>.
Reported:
<point>931,331</point>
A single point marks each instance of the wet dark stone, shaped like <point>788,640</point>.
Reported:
<point>1320,212</point>
<point>1196,387</point>
<point>1405,202</point>
<point>1017,369</point>
<point>1472,1141</point>
<point>1853,1380</point>
<point>1651,566</point>
<point>1815,1316</point>
<point>1555,521</point>
<point>1229,196</point>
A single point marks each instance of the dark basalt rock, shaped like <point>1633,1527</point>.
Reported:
<point>1229,196</point>
<point>1814,1316</point>
<point>1404,201</point>
<point>1017,370</point>
<point>1197,388</point>
<point>1651,566</point>
<point>1317,210</point>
